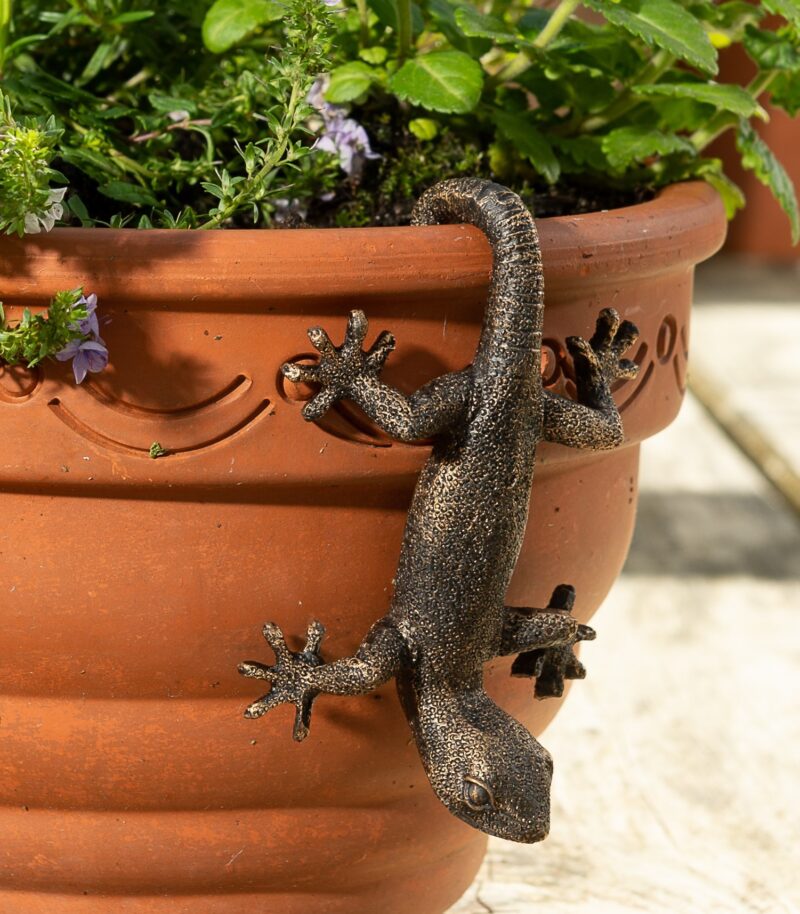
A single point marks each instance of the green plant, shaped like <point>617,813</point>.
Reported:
<point>195,113</point>
<point>68,330</point>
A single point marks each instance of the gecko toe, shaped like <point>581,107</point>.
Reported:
<point>357,326</point>
<point>608,322</point>
<point>625,337</point>
<point>302,717</point>
<point>321,341</point>
<point>379,351</point>
<point>253,670</point>
<point>320,404</point>
<point>563,597</point>
<point>574,669</point>
<point>274,638</point>
<point>298,372</point>
<point>314,636</point>
<point>259,708</point>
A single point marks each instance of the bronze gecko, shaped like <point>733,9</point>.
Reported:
<point>465,527</point>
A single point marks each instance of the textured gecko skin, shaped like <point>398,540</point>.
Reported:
<point>465,528</point>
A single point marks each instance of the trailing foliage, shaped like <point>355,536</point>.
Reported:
<point>68,330</point>
<point>193,113</point>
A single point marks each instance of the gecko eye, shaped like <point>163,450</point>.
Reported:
<point>477,795</point>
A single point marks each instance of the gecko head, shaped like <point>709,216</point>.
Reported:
<point>489,771</point>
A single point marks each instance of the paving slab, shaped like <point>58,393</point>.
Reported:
<point>745,361</point>
<point>678,758</point>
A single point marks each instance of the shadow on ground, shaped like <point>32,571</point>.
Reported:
<point>714,535</point>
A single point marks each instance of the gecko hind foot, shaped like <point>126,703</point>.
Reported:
<point>291,676</point>
<point>600,359</point>
<point>551,666</point>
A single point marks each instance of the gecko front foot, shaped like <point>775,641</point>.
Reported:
<point>291,676</point>
<point>340,367</point>
<point>550,666</point>
<point>599,362</point>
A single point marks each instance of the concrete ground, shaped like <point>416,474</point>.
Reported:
<point>677,785</point>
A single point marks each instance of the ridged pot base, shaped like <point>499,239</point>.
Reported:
<point>432,888</point>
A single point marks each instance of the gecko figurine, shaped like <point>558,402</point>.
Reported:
<point>465,528</point>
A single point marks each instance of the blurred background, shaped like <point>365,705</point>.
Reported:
<point>677,782</point>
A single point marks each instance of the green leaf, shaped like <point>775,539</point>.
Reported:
<point>104,55</point>
<point>588,89</point>
<point>132,16</point>
<point>23,42</point>
<point>475,25</point>
<point>627,145</point>
<point>128,193</point>
<point>349,81</point>
<point>732,196</point>
<point>662,24</point>
<point>447,81</point>
<point>168,103</point>
<point>230,21</point>
<point>785,93</point>
<point>580,154</point>
<point>532,21</point>
<point>78,208</point>
<point>214,189</point>
<point>386,11</point>
<point>789,9</point>
<point>772,50</point>
<point>423,128</point>
<point>733,14</point>
<point>88,160</point>
<point>376,55</point>
<point>758,158</point>
<point>53,88</point>
<point>443,17</point>
<point>529,142</point>
<point>722,97</point>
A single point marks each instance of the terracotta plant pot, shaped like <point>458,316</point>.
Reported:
<point>129,780</point>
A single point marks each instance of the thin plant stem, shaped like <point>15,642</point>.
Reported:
<point>523,61</point>
<point>142,76</point>
<point>627,100</point>
<point>561,16</point>
<point>404,32</point>
<point>270,163</point>
<point>363,17</point>
<point>6,10</point>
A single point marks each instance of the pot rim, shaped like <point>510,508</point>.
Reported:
<point>681,226</point>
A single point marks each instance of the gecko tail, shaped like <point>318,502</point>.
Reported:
<point>512,330</point>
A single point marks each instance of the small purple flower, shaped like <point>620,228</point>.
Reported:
<point>86,355</point>
<point>316,98</point>
<point>350,141</point>
<point>288,212</point>
<point>340,135</point>
<point>88,325</point>
<point>53,211</point>
<point>90,353</point>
